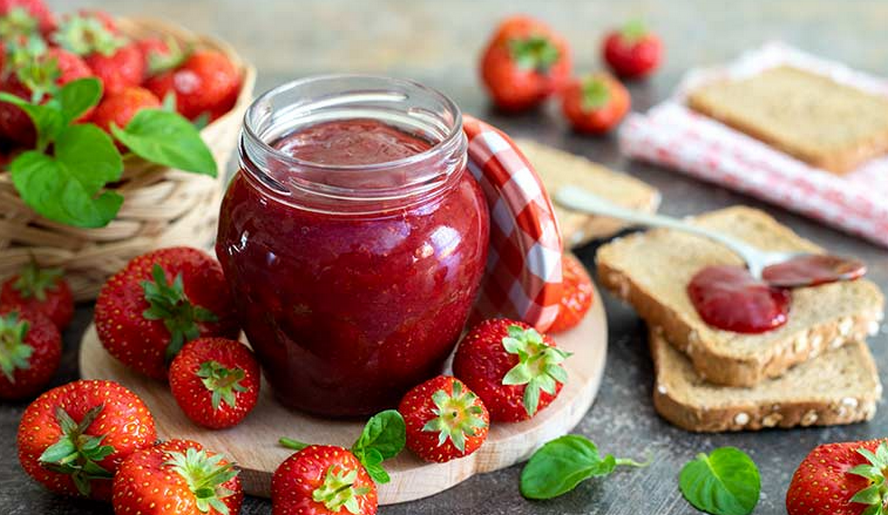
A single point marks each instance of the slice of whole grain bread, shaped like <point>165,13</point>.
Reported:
<point>558,168</point>
<point>840,387</point>
<point>651,271</point>
<point>813,118</point>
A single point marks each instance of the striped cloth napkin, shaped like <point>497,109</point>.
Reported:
<point>672,135</point>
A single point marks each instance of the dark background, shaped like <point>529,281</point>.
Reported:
<point>437,43</point>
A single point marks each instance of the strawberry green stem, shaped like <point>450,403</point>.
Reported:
<point>539,365</point>
<point>338,491</point>
<point>535,53</point>
<point>77,453</point>
<point>205,475</point>
<point>458,416</point>
<point>875,495</point>
<point>222,382</point>
<point>34,282</point>
<point>289,443</point>
<point>168,302</point>
<point>14,352</point>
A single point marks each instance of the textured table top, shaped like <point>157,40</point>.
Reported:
<point>437,43</point>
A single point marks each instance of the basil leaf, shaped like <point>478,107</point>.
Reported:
<point>67,188</point>
<point>48,121</point>
<point>76,97</point>
<point>384,432</point>
<point>560,465</point>
<point>726,482</point>
<point>168,139</point>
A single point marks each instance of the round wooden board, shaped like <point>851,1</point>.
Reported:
<point>253,444</point>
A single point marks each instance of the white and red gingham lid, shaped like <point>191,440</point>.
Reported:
<point>523,279</point>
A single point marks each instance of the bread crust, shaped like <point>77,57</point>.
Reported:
<point>747,415</point>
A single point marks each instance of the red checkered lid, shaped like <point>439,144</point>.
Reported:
<point>523,279</point>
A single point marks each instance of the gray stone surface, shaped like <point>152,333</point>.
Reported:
<point>437,43</point>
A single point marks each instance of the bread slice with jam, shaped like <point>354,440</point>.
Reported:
<point>651,270</point>
<point>840,387</point>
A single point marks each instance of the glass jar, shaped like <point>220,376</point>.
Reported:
<point>353,239</point>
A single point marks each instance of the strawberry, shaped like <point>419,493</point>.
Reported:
<point>846,478</point>
<point>595,104</point>
<point>215,381</point>
<point>38,72</point>
<point>159,301</point>
<point>73,438</point>
<point>111,57</point>
<point>514,369</point>
<point>206,83</point>
<point>322,480</point>
<point>445,420</point>
<point>119,108</point>
<point>30,352</point>
<point>632,52</point>
<point>177,477</point>
<point>44,290</point>
<point>576,295</point>
<point>524,62</point>
<point>36,9</point>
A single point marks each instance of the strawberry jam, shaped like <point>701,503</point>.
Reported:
<point>354,245</point>
<point>812,270</point>
<point>729,298</point>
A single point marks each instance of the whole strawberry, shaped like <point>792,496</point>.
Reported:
<point>44,290</point>
<point>119,108</point>
<point>524,62</point>
<point>215,381</point>
<point>36,9</point>
<point>177,477</point>
<point>846,478</point>
<point>159,301</point>
<point>30,351</point>
<point>207,83</point>
<point>632,52</point>
<point>595,104</point>
<point>577,294</point>
<point>514,369</point>
<point>73,438</point>
<point>444,419</point>
<point>323,480</point>
<point>116,61</point>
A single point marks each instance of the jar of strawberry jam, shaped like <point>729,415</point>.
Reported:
<point>353,239</point>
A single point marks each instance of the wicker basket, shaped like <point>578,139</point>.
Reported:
<point>162,206</point>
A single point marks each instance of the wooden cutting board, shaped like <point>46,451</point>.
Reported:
<point>253,444</point>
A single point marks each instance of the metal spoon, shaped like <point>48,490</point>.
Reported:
<point>829,268</point>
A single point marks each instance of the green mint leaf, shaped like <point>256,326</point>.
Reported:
<point>168,139</point>
<point>62,194</point>
<point>384,432</point>
<point>48,121</point>
<point>726,482</point>
<point>560,465</point>
<point>76,97</point>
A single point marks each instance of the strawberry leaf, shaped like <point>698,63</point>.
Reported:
<point>34,282</point>
<point>726,482</point>
<point>535,53</point>
<point>169,139</point>
<point>563,463</point>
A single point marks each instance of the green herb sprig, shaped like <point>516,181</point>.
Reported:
<point>65,177</point>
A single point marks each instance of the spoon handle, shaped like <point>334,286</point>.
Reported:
<point>578,199</point>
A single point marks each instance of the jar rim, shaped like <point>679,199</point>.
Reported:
<point>455,132</point>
